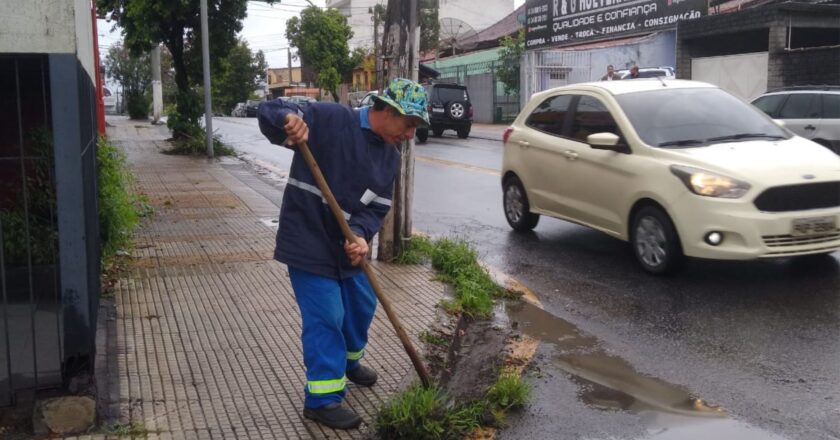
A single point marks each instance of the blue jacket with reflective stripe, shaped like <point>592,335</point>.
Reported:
<point>360,170</point>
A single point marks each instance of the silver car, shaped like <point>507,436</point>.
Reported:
<point>810,112</point>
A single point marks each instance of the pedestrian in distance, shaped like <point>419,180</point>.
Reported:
<point>634,73</point>
<point>610,76</point>
<point>356,151</point>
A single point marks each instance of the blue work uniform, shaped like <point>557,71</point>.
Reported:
<point>335,299</point>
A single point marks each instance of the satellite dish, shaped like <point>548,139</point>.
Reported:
<point>457,35</point>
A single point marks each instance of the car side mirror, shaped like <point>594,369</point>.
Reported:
<point>606,141</point>
<point>780,123</point>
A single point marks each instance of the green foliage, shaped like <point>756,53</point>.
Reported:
<point>509,391</point>
<point>177,25</point>
<point>458,266</point>
<point>195,145</point>
<point>321,37</point>
<point>429,25</point>
<point>432,339</point>
<point>510,57</point>
<point>237,77</point>
<point>119,207</point>
<point>134,430</point>
<point>424,413</point>
<point>184,121</point>
<point>131,71</point>
<point>138,106</point>
<point>428,413</point>
<point>28,222</point>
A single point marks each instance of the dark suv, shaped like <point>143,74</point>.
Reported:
<point>449,109</point>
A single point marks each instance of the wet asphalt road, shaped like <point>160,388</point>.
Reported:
<point>759,339</point>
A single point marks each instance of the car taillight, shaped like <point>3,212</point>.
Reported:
<point>506,134</point>
<point>471,112</point>
<point>429,108</point>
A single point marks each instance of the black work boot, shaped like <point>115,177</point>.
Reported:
<point>334,416</point>
<point>363,376</point>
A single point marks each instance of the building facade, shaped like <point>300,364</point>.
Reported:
<point>49,230</point>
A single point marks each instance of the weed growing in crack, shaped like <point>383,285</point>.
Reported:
<point>428,413</point>
<point>430,338</point>
<point>509,391</point>
<point>134,430</point>
<point>458,265</point>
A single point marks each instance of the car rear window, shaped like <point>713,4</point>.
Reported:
<point>447,94</point>
<point>831,106</point>
<point>652,73</point>
<point>801,106</point>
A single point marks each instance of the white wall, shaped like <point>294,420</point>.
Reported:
<point>84,37</point>
<point>37,26</point>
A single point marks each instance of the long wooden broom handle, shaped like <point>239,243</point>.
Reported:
<point>351,237</point>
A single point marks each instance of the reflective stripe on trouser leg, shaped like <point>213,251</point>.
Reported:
<point>359,307</point>
<point>324,351</point>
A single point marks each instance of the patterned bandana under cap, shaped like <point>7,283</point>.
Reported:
<point>408,97</point>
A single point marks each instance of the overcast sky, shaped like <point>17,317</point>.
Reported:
<point>264,29</point>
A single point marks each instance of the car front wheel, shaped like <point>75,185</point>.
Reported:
<point>422,134</point>
<point>655,241</point>
<point>517,209</point>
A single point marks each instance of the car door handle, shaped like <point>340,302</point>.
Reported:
<point>524,144</point>
<point>571,155</point>
<point>810,127</point>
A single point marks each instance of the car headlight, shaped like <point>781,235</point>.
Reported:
<point>709,184</point>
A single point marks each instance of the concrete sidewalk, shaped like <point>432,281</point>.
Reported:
<point>204,340</point>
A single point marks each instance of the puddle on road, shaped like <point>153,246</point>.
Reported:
<point>610,383</point>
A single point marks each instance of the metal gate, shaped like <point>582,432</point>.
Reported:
<point>490,102</point>
<point>546,69</point>
<point>48,293</point>
<point>743,75</point>
<point>480,87</point>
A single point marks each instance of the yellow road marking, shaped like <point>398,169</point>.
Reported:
<point>463,166</point>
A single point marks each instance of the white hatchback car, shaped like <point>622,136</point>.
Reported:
<point>678,168</point>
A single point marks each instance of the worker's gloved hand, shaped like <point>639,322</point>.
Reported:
<point>357,251</point>
<point>297,131</point>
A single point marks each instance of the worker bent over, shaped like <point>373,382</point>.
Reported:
<point>356,151</point>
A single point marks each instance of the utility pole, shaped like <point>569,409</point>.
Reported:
<point>289,53</point>
<point>376,61</point>
<point>402,38</point>
<point>157,88</point>
<point>205,55</point>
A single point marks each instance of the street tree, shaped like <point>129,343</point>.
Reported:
<point>237,76</point>
<point>133,74</point>
<point>177,25</point>
<point>429,24</point>
<point>321,37</point>
<point>510,56</point>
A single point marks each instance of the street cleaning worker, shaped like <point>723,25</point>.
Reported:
<point>356,151</point>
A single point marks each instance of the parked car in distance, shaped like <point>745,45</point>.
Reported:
<point>301,100</point>
<point>649,72</point>
<point>677,168</point>
<point>109,99</point>
<point>239,110</point>
<point>449,109</point>
<point>812,112</point>
<point>251,108</point>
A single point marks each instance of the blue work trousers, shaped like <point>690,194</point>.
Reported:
<point>337,314</point>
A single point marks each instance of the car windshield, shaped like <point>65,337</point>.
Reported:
<point>679,118</point>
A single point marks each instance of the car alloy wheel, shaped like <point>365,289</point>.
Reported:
<point>456,109</point>
<point>651,243</point>
<point>655,241</point>
<point>517,208</point>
